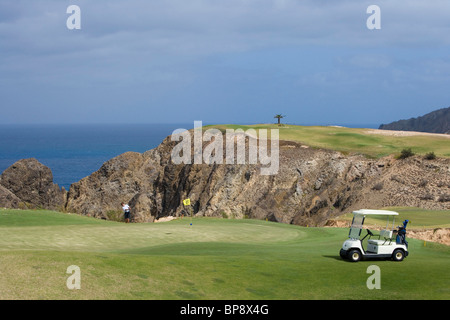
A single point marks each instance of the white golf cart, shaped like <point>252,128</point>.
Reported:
<point>383,245</point>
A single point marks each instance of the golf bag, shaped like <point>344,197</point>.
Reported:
<point>401,234</point>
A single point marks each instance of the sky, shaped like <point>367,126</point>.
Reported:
<point>222,61</point>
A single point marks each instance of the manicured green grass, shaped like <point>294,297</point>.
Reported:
<point>212,259</point>
<point>353,140</point>
<point>28,218</point>
<point>418,218</point>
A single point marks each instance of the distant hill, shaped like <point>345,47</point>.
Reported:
<point>435,122</point>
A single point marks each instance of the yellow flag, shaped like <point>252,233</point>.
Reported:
<point>187,202</point>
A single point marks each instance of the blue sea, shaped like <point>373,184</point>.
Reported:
<point>73,152</point>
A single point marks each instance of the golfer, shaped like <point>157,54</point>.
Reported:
<point>126,211</point>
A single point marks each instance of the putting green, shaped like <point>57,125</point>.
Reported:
<point>212,259</point>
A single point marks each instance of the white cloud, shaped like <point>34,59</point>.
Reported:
<point>202,27</point>
<point>167,44</point>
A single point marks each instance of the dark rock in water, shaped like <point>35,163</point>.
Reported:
<point>32,182</point>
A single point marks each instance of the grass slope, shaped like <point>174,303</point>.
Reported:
<point>418,218</point>
<point>212,259</point>
<point>353,140</point>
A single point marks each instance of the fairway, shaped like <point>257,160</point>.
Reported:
<point>353,140</point>
<point>418,218</point>
<point>210,259</point>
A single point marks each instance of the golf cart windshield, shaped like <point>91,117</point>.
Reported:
<point>359,217</point>
<point>356,227</point>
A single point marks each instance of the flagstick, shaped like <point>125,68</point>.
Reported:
<point>187,203</point>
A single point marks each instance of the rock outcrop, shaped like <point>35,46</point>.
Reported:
<point>311,186</point>
<point>8,199</point>
<point>31,184</point>
<point>122,179</point>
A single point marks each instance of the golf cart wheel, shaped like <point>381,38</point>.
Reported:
<point>354,255</point>
<point>398,255</point>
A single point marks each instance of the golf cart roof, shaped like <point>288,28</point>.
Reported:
<point>375,212</point>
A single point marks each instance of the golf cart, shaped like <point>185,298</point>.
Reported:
<point>383,245</point>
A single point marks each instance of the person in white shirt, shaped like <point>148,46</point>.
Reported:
<point>126,211</point>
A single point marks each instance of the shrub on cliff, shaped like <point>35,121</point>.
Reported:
<point>405,153</point>
<point>430,156</point>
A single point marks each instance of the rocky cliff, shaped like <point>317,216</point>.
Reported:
<point>28,183</point>
<point>312,185</point>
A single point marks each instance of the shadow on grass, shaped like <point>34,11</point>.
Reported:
<point>337,257</point>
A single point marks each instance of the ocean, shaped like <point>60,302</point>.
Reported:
<point>73,152</point>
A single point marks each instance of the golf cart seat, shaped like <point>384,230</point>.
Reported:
<point>386,235</point>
